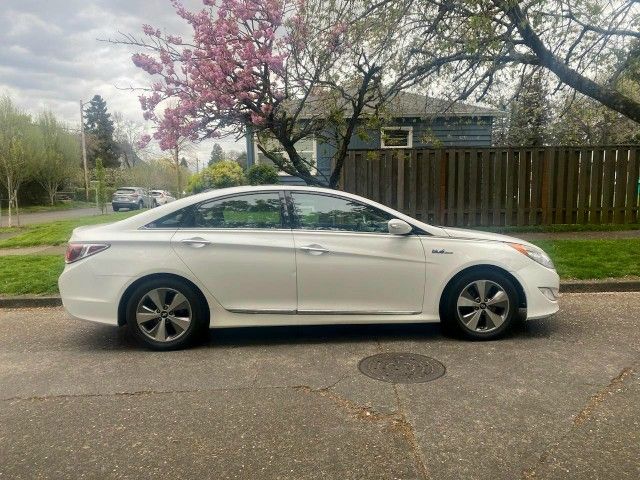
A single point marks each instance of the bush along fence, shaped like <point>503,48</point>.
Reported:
<point>501,186</point>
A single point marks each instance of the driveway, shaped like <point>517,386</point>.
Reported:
<point>44,217</point>
<point>559,398</point>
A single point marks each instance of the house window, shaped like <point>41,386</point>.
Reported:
<point>396,137</point>
<point>306,148</point>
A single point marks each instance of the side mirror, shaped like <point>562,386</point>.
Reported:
<point>399,227</point>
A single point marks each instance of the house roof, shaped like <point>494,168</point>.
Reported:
<point>415,105</point>
<point>407,105</point>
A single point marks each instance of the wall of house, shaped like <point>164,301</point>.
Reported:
<point>438,132</point>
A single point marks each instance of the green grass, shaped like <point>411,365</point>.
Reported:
<point>57,233</point>
<point>30,274</point>
<point>608,227</point>
<point>594,259</point>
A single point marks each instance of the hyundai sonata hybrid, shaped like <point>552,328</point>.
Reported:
<point>289,255</point>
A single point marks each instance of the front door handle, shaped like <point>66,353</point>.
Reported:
<point>196,242</point>
<point>314,249</point>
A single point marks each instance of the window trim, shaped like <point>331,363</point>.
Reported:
<point>409,137</point>
<point>314,169</point>
<point>295,221</point>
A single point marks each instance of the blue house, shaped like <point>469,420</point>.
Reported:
<point>415,121</point>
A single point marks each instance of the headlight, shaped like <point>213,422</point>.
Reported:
<point>536,255</point>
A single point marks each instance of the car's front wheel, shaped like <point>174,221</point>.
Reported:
<point>166,314</point>
<point>480,305</point>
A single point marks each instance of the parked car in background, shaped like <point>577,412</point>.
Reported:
<point>287,255</point>
<point>160,197</point>
<point>132,198</point>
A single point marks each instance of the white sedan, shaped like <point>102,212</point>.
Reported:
<point>160,197</point>
<point>288,255</point>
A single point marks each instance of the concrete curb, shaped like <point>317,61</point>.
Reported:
<point>576,286</point>
<point>581,286</point>
<point>30,302</point>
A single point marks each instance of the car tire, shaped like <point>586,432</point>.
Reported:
<point>140,205</point>
<point>177,323</point>
<point>115,209</point>
<point>480,305</point>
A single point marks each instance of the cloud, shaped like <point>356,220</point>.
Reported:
<point>52,55</point>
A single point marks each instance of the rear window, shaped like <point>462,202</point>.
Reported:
<point>156,194</point>
<point>126,191</point>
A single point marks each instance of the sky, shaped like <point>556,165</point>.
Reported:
<point>52,56</point>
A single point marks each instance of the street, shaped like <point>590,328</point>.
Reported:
<point>558,398</point>
<point>33,218</point>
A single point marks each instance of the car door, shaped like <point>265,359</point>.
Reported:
<point>348,262</point>
<point>242,250</point>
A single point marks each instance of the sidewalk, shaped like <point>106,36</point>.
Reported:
<point>612,235</point>
<point>37,250</point>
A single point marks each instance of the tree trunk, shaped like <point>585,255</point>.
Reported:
<point>9,190</point>
<point>176,159</point>
<point>15,197</point>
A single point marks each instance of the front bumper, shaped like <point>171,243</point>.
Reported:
<point>534,280</point>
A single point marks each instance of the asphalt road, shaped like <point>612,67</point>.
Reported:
<point>559,398</point>
<point>44,217</point>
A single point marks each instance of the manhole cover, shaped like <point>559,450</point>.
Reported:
<point>401,367</point>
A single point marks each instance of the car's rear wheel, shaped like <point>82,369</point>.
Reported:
<point>480,305</point>
<point>115,209</point>
<point>166,314</point>
<point>140,205</point>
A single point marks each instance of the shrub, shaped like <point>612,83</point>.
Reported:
<point>219,175</point>
<point>262,174</point>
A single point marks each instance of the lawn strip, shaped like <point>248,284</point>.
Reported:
<point>57,233</point>
<point>30,274</point>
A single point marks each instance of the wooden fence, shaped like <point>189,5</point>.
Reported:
<point>501,186</point>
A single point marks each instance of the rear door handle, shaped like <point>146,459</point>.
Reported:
<point>196,242</point>
<point>314,249</point>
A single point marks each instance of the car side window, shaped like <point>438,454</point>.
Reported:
<point>325,212</point>
<point>174,220</point>
<point>258,210</point>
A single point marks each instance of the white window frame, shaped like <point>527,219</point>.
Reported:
<point>313,170</point>
<point>409,137</point>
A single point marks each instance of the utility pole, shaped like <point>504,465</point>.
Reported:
<point>84,152</point>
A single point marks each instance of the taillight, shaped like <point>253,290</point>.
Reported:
<point>78,251</point>
<point>135,195</point>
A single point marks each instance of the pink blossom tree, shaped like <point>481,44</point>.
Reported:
<point>283,69</point>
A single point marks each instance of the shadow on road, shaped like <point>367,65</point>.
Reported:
<point>105,337</point>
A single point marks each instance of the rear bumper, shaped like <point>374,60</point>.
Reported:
<point>95,300</point>
<point>125,204</point>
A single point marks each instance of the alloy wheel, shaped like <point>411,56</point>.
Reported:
<point>483,306</point>
<point>163,314</point>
